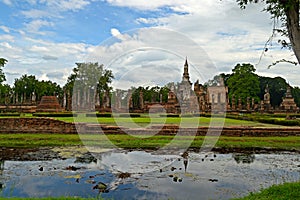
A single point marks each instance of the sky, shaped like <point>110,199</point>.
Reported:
<point>143,42</point>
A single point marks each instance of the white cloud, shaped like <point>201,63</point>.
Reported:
<point>34,13</point>
<point>65,5</point>
<point>7,38</point>
<point>6,45</point>
<point>5,29</point>
<point>189,6</point>
<point>114,32</point>
<point>35,26</point>
<point>7,2</point>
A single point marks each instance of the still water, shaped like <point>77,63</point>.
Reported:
<point>127,174</point>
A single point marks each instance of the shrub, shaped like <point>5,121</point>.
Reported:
<point>98,115</point>
<point>187,115</point>
<point>132,115</point>
<point>69,114</point>
<point>9,114</point>
<point>169,115</point>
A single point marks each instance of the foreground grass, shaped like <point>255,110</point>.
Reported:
<point>285,191</point>
<point>140,141</point>
<point>51,198</point>
<point>145,121</point>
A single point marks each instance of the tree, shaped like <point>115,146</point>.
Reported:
<point>5,93</point>
<point>89,75</point>
<point>287,11</point>
<point>296,95</point>
<point>243,83</point>
<point>277,88</point>
<point>216,80</point>
<point>2,76</point>
<point>24,87</point>
<point>47,88</point>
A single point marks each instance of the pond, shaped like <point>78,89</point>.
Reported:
<point>125,174</point>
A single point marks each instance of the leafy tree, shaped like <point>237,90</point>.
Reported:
<point>287,11</point>
<point>25,86</point>
<point>296,95</point>
<point>243,82</point>
<point>277,88</point>
<point>2,76</point>
<point>47,88</point>
<point>89,75</point>
<point>216,80</point>
<point>5,94</point>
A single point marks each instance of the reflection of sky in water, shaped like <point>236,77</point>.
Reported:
<point>207,176</point>
<point>136,161</point>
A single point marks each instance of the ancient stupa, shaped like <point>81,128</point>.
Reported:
<point>49,104</point>
<point>288,102</point>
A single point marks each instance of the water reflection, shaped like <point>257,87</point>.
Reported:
<point>190,175</point>
<point>243,157</point>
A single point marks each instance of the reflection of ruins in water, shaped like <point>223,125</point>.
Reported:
<point>243,157</point>
<point>185,157</point>
<point>1,172</point>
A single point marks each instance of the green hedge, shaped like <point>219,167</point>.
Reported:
<point>54,115</point>
<point>9,114</point>
<point>169,115</point>
<point>98,115</point>
<point>132,115</point>
<point>265,119</point>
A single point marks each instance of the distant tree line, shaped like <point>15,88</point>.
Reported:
<point>242,83</point>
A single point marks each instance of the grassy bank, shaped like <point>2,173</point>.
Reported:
<point>285,191</point>
<point>127,141</point>
<point>144,121</point>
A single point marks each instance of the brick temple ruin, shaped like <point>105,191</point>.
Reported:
<point>184,97</point>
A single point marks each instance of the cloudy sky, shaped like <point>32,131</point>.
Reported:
<point>141,41</point>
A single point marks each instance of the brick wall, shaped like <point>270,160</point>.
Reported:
<point>35,125</point>
<point>48,125</point>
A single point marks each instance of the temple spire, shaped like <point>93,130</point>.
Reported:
<point>186,76</point>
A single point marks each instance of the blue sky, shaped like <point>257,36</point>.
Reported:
<point>47,37</point>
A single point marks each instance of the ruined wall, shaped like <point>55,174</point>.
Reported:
<point>35,125</point>
<point>48,125</point>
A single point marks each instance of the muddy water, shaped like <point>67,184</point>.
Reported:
<point>142,174</point>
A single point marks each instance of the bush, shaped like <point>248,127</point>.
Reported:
<point>169,115</point>
<point>187,115</point>
<point>132,115</point>
<point>54,114</point>
<point>9,114</point>
<point>98,115</point>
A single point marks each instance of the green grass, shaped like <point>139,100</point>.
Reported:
<point>51,198</point>
<point>286,191</point>
<point>185,121</point>
<point>139,141</point>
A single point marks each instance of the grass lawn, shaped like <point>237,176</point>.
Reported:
<point>286,191</point>
<point>127,141</point>
<point>144,121</point>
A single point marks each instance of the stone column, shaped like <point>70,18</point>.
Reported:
<point>248,103</point>
<point>233,106</point>
<point>141,99</point>
<point>240,107</point>
<point>65,100</point>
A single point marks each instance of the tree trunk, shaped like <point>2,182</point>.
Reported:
<point>292,14</point>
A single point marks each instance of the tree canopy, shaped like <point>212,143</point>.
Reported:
<point>2,75</point>
<point>287,11</point>
<point>277,89</point>
<point>243,83</point>
<point>27,85</point>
